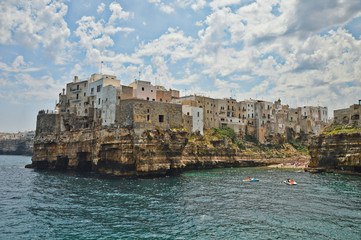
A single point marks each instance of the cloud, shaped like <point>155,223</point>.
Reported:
<point>101,8</point>
<point>96,36</point>
<point>36,23</point>
<point>166,8</point>
<point>18,65</point>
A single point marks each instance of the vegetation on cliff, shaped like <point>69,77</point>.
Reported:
<point>339,128</point>
<point>292,147</point>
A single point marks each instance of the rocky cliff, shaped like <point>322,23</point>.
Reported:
<point>16,147</point>
<point>336,152</point>
<point>123,152</point>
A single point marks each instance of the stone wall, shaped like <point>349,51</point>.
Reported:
<point>162,115</point>
<point>48,122</point>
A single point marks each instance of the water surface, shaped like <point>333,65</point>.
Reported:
<point>208,204</point>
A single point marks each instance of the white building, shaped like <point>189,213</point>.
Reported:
<point>197,117</point>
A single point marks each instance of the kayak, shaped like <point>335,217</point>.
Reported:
<point>252,180</point>
<point>288,183</point>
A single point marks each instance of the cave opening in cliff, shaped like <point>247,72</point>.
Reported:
<point>61,163</point>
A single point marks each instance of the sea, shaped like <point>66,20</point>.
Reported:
<point>204,204</point>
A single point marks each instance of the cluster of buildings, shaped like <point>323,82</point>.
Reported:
<point>103,100</point>
<point>27,135</point>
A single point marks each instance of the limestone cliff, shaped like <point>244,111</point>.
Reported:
<point>16,147</point>
<point>336,152</point>
<point>124,152</point>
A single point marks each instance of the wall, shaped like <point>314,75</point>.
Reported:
<point>137,110</point>
<point>48,122</point>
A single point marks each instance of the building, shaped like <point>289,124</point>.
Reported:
<point>349,115</point>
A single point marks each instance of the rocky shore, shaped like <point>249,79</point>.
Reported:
<point>16,147</point>
<point>124,152</point>
<point>338,152</point>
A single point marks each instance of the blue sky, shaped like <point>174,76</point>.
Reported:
<point>304,52</point>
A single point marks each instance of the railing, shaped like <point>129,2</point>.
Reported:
<point>48,112</point>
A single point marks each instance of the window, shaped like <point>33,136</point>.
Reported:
<point>84,94</point>
<point>161,100</point>
<point>198,114</point>
<point>148,98</point>
<point>143,89</point>
<point>92,91</point>
<point>77,87</point>
<point>98,101</point>
<point>77,96</point>
<point>147,110</point>
<point>98,88</point>
<point>153,100</point>
<point>188,113</point>
<point>151,90</point>
<point>148,117</point>
<point>161,118</point>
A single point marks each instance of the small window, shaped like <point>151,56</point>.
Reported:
<point>147,110</point>
<point>188,113</point>
<point>98,88</point>
<point>198,114</point>
<point>148,98</point>
<point>153,100</point>
<point>84,94</point>
<point>161,118</point>
<point>161,100</point>
<point>148,118</point>
<point>143,89</point>
<point>92,91</point>
<point>77,96</point>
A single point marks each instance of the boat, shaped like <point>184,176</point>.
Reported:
<point>251,180</point>
<point>288,183</point>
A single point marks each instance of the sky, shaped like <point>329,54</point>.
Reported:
<point>304,52</point>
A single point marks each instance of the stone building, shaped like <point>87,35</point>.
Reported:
<point>349,115</point>
<point>140,113</point>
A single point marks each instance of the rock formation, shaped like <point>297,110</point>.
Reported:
<point>336,152</point>
<point>16,147</point>
<point>123,152</point>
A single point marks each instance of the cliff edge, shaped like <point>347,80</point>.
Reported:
<point>337,149</point>
<point>125,152</point>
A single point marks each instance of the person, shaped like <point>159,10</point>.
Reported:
<point>288,180</point>
<point>292,181</point>
<point>249,178</point>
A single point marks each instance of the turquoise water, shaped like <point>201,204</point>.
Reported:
<point>209,204</point>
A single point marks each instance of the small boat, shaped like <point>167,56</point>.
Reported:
<point>289,183</point>
<point>251,180</point>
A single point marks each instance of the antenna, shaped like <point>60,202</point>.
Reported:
<point>139,74</point>
<point>101,67</point>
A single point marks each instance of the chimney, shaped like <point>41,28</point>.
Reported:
<point>76,78</point>
<point>63,91</point>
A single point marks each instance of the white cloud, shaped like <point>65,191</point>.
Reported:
<point>222,3</point>
<point>33,23</point>
<point>166,8</point>
<point>117,13</point>
<point>18,65</point>
<point>101,8</point>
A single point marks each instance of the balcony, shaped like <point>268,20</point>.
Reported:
<point>75,90</point>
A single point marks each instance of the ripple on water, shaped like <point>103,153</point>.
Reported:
<point>210,204</point>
